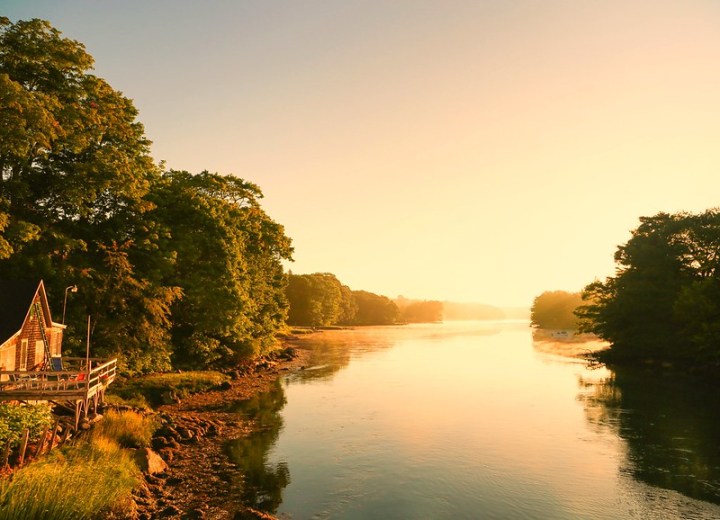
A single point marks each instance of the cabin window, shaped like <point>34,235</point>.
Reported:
<point>23,354</point>
<point>39,352</point>
<point>56,342</point>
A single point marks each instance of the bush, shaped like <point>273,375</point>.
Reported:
<point>15,419</point>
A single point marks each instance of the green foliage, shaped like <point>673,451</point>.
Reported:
<point>151,387</point>
<point>320,300</point>
<point>662,302</point>
<point>555,310</point>
<point>74,483</point>
<point>128,429</point>
<point>230,274</point>
<point>172,267</point>
<point>74,173</point>
<point>15,419</point>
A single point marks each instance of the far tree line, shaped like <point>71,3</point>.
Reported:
<point>321,300</point>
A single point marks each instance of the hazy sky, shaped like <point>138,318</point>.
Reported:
<point>474,151</point>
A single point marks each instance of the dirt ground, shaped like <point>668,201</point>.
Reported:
<point>201,482</point>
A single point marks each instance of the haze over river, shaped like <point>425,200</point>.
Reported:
<point>475,420</point>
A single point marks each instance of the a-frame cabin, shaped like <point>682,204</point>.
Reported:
<point>32,367</point>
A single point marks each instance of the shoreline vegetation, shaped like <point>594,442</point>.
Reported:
<point>158,452</point>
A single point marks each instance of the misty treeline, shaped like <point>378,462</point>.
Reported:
<point>663,303</point>
<point>175,269</point>
<point>555,310</point>
<point>321,300</point>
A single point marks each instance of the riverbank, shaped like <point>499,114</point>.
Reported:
<point>200,481</point>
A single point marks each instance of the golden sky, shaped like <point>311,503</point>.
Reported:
<point>473,151</point>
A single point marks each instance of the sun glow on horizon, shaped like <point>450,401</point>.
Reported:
<point>467,152</point>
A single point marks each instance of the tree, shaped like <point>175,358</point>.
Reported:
<point>555,310</point>
<point>318,300</point>
<point>374,309</point>
<point>660,304</point>
<point>228,256</point>
<point>75,170</point>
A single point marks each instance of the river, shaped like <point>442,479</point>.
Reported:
<point>473,420</point>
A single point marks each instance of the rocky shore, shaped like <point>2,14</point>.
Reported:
<point>192,478</point>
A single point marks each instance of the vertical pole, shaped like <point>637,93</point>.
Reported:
<point>41,442</point>
<point>6,455</point>
<point>87,351</point>
<point>23,447</point>
<point>54,433</point>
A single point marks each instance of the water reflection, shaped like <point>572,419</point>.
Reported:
<point>669,424</point>
<point>264,481</point>
<point>330,352</point>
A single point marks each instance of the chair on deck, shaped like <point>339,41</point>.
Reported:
<point>56,364</point>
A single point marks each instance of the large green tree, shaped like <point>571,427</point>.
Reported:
<point>228,256</point>
<point>74,172</point>
<point>661,303</point>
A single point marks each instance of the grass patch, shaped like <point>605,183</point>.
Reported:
<point>137,401</point>
<point>152,387</point>
<point>77,482</point>
<point>128,429</point>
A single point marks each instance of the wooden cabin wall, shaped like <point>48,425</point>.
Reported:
<point>31,332</point>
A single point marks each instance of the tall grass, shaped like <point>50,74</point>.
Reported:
<point>128,429</point>
<point>75,483</point>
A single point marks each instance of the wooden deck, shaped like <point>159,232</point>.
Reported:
<point>83,380</point>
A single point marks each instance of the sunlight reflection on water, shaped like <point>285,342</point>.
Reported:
<point>465,420</point>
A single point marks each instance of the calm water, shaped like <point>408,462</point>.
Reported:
<point>471,420</point>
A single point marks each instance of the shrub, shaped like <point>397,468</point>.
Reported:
<point>15,419</point>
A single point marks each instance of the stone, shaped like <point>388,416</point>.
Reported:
<point>169,511</point>
<point>150,462</point>
<point>169,397</point>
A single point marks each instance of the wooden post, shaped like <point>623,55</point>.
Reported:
<point>6,455</point>
<point>54,433</point>
<point>66,435</point>
<point>23,447</point>
<point>41,442</point>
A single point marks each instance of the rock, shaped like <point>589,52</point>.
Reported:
<point>195,514</point>
<point>170,511</point>
<point>150,462</point>
<point>159,443</point>
<point>168,454</point>
<point>252,514</point>
<point>186,433</point>
<point>169,397</point>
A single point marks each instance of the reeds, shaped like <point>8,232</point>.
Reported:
<point>128,429</point>
<point>74,483</point>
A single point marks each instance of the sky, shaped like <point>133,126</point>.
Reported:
<point>478,151</point>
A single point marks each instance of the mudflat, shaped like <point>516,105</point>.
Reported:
<point>201,482</point>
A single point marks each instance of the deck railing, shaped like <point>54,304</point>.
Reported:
<point>81,376</point>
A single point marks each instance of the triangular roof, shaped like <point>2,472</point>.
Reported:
<point>16,297</point>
